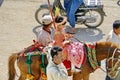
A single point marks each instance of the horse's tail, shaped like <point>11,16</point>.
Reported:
<point>11,67</point>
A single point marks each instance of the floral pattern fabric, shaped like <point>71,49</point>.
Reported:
<point>76,53</point>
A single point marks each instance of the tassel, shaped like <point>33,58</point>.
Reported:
<point>29,77</point>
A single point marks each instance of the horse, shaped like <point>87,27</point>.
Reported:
<point>103,51</point>
<point>21,58</point>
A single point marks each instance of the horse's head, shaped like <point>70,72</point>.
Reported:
<point>111,52</point>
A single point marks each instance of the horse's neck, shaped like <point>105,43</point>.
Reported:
<point>105,52</point>
<point>100,55</point>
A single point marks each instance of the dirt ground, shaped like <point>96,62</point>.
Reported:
<point>17,23</point>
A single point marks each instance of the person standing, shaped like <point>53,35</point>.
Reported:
<point>114,34</point>
<point>45,35</point>
<point>71,7</point>
<point>55,68</point>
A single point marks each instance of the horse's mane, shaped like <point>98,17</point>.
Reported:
<point>106,44</point>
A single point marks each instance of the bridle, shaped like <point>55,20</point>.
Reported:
<point>115,66</point>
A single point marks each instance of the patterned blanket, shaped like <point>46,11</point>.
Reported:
<point>75,54</point>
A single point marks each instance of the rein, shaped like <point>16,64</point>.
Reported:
<point>115,66</point>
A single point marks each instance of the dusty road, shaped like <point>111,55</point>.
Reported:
<point>16,29</point>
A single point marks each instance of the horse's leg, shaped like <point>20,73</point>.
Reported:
<point>35,68</point>
<point>37,76</point>
<point>77,76</point>
<point>22,77</point>
<point>81,77</point>
<point>86,77</point>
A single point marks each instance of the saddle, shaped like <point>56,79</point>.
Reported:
<point>34,49</point>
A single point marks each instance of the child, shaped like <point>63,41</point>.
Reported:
<point>60,35</point>
<point>114,35</point>
<point>61,39</point>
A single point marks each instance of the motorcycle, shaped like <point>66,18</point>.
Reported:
<point>90,15</point>
<point>118,2</point>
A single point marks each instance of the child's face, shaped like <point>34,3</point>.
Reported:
<point>117,31</point>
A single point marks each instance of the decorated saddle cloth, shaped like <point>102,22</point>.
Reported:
<point>76,53</point>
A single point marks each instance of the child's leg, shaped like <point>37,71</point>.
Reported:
<point>73,69</point>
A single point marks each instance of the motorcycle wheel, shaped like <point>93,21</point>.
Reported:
<point>99,18</point>
<point>40,12</point>
<point>118,2</point>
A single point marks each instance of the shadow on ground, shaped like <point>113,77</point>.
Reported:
<point>89,34</point>
<point>36,30</point>
<point>82,34</point>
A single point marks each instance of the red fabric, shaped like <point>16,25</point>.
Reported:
<point>84,58</point>
<point>67,64</point>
